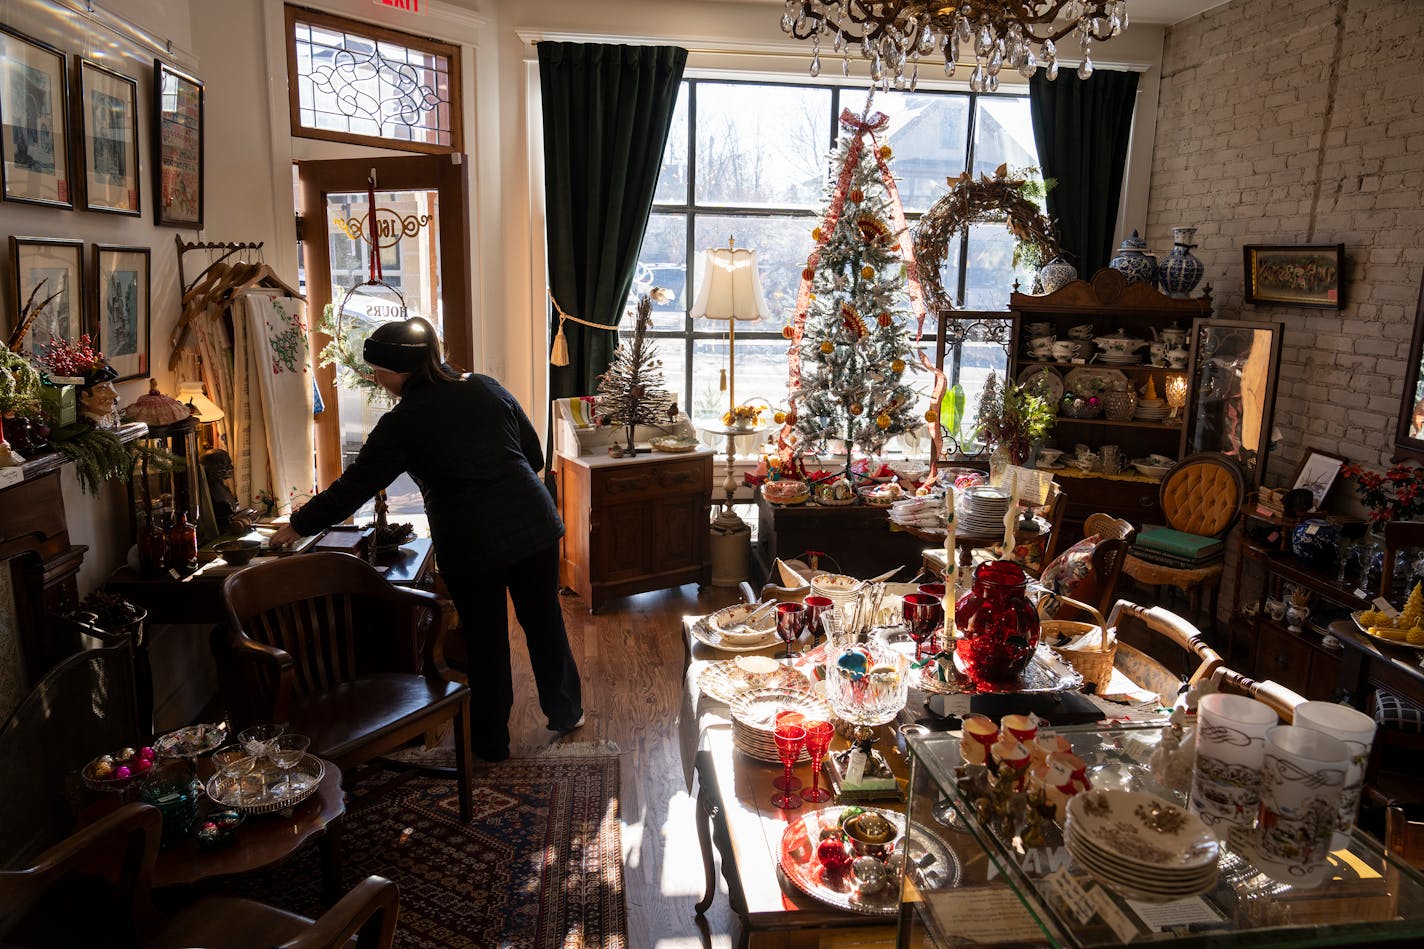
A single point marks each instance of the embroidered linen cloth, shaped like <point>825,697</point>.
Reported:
<point>280,385</point>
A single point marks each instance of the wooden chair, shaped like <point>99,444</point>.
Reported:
<point>1100,590</point>
<point>323,643</point>
<point>1397,536</point>
<point>1403,836</point>
<point>1158,649</point>
<point>1277,696</point>
<point>1202,495</point>
<point>82,708</point>
<point>93,889</point>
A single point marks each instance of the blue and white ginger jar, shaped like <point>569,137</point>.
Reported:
<point>1056,274</point>
<point>1133,261</point>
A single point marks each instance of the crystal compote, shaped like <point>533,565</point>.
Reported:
<point>866,686</point>
<point>287,751</point>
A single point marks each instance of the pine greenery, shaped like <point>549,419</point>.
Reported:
<point>632,391</point>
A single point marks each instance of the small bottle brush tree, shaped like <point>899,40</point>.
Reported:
<point>631,392</point>
<point>856,344</point>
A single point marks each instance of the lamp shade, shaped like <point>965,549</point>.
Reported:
<point>731,287</point>
<point>205,409</point>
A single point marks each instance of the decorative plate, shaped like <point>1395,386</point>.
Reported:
<point>707,636</point>
<point>1143,829</point>
<point>1050,378</point>
<point>1044,674</point>
<point>191,741</point>
<point>757,708</point>
<point>876,495</point>
<point>931,861</point>
<point>224,791</point>
<point>731,623</point>
<point>835,584</point>
<point>724,680</point>
<point>672,444</point>
<point>1403,643</point>
<point>1098,379</point>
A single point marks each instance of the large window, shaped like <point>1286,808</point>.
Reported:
<point>749,161</point>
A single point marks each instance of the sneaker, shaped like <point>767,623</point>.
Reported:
<point>565,729</point>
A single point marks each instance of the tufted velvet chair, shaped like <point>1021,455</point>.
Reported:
<point>1202,494</point>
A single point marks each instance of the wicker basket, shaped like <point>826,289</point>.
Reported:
<point>1094,665</point>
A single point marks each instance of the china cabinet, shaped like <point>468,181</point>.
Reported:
<point>1108,308</point>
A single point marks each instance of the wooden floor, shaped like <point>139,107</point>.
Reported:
<point>630,658</point>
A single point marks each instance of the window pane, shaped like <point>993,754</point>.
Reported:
<point>1004,133</point>
<point>949,270</point>
<point>782,244</point>
<point>929,135</point>
<point>762,146</point>
<point>662,262</point>
<point>672,178</point>
<point>761,374</point>
<point>991,273</point>
<point>673,353</point>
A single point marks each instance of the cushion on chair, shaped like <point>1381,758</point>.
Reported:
<point>1070,574</point>
<point>1395,711</point>
<point>344,718</point>
<point>1201,498</point>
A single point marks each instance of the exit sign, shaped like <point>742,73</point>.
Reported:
<point>409,6</point>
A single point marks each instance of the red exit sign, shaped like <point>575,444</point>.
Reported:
<point>409,6</point>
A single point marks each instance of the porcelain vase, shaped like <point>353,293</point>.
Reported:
<point>1133,261</point>
<point>1056,274</point>
<point>1180,273</point>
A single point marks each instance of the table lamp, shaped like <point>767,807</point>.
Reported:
<point>731,291</point>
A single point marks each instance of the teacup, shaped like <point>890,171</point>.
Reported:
<point>1050,456</point>
<point>1082,331</point>
<point>1064,350</point>
<point>1037,329</point>
<point>1276,608</point>
<point>1041,345</point>
<point>1159,459</point>
<point>1157,353</point>
<point>1177,358</point>
<point>1084,462</point>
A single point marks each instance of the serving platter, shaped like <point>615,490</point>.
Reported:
<point>933,864</point>
<point>1403,643</point>
<point>1094,376</point>
<point>1050,378</point>
<point>191,741</point>
<point>223,789</point>
<point>1044,674</point>
<point>724,680</point>
<point>707,635</point>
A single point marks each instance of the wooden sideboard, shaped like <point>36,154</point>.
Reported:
<point>633,524</point>
<point>858,538</point>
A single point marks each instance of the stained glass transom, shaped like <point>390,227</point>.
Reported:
<point>360,85</point>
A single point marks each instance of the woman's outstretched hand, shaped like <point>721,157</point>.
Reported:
<point>285,537</point>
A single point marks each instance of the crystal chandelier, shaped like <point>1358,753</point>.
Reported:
<point>894,35</point>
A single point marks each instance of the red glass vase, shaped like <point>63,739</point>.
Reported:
<point>182,544</point>
<point>998,626</point>
<point>152,547</point>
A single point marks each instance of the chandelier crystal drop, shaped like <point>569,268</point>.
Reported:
<point>894,35</point>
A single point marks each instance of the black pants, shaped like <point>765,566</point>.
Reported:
<point>533,586</point>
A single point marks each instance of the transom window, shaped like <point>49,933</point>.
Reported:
<point>352,82</point>
<point>749,160</point>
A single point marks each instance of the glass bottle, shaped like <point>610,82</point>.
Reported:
<point>998,626</point>
<point>152,546</point>
<point>182,544</point>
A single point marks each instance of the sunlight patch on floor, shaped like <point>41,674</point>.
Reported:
<point>682,853</point>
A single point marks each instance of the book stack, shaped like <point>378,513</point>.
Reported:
<point>1169,548</point>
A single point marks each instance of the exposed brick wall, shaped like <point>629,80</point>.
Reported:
<point>1293,122</point>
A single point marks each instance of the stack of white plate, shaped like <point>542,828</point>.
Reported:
<point>1120,359</point>
<point>837,587</point>
<point>754,718</point>
<point>1151,411</point>
<point>1141,845</point>
<point>981,510</point>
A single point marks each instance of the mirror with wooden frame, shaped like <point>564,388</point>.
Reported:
<point>1409,431</point>
<point>1234,392</point>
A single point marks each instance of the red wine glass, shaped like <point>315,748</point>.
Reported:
<point>790,624</point>
<point>816,607</point>
<point>789,741</point>
<point>788,716</point>
<point>923,613</point>
<point>818,739</point>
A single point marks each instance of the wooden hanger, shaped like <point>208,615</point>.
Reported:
<point>265,276</point>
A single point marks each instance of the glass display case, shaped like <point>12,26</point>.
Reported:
<point>1010,893</point>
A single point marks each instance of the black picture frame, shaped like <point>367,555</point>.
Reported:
<point>36,159</point>
<point>177,147</point>
<point>1295,274</point>
<point>61,264</point>
<point>121,315</point>
<point>1409,430</point>
<point>1317,473</point>
<point>107,123</point>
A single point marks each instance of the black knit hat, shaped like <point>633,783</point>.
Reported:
<point>401,346</point>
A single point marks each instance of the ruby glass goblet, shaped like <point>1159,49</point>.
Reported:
<point>818,739</point>
<point>789,741</point>
<point>923,614</point>
<point>788,716</point>
<point>790,624</point>
<point>816,607</point>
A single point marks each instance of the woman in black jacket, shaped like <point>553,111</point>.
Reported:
<point>474,454</point>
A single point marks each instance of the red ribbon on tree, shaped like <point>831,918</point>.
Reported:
<point>865,125</point>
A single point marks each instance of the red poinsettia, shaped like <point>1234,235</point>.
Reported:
<point>1395,495</point>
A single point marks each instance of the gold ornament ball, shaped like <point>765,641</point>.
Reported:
<point>856,408</point>
<point>780,418</point>
<point>884,320</point>
<point>828,347</point>
<point>856,195</point>
<point>808,274</point>
<point>867,272</point>
<point>897,365</point>
<point>882,421</point>
<point>931,416</point>
<point>815,233</point>
<point>885,151</point>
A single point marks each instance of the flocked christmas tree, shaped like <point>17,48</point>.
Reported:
<point>631,392</point>
<point>856,343</point>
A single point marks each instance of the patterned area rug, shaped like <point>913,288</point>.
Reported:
<point>540,867</point>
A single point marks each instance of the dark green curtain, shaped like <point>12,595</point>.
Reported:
<point>1081,127</point>
<point>607,110</point>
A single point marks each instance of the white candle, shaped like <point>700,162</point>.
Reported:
<point>951,567</point>
<point>1012,515</point>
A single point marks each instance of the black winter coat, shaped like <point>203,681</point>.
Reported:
<point>476,457</point>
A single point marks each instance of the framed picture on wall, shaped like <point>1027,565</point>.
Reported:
<point>177,147</point>
<point>121,307</point>
<point>1295,274</point>
<point>45,267</point>
<point>1317,474</point>
<point>108,131</point>
<point>34,121</point>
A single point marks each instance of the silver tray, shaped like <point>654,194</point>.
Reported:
<point>932,862</point>
<point>222,791</point>
<point>1038,677</point>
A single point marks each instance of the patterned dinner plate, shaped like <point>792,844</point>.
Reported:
<point>1143,829</point>
<point>724,680</point>
<point>704,633</point>
<point>757,708</point>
